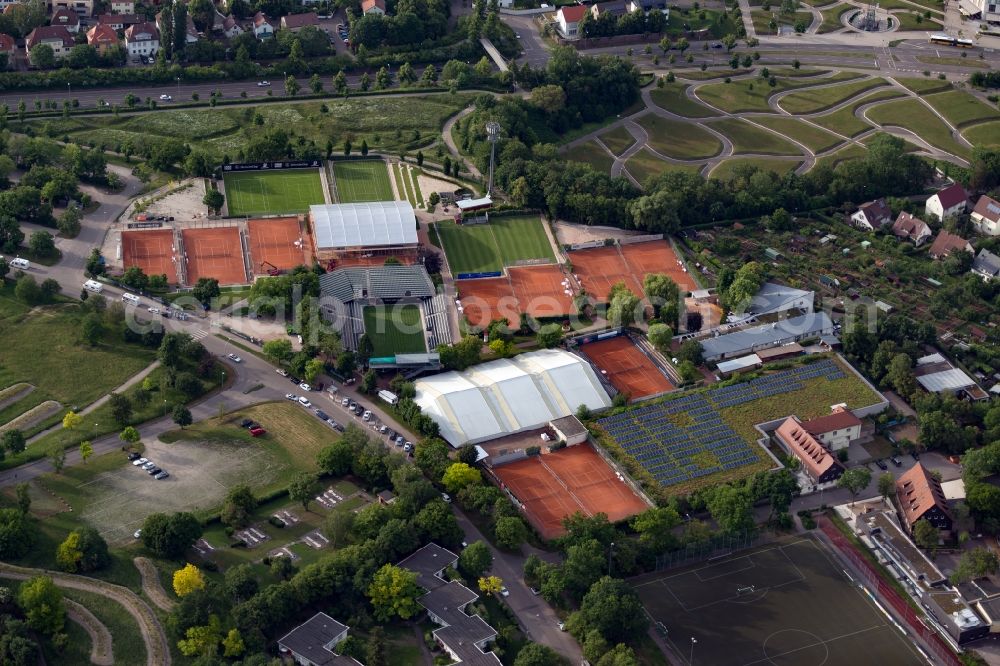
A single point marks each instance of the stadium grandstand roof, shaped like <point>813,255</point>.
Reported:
<point>373,224</point>
<point>509,395</point>
<point>380,282</point>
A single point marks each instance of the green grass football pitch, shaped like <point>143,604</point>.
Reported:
<point>782,604</point>
<point>479,248</point>
<point>362,180</point>
<point>273,192</point>
<point>395,329</point>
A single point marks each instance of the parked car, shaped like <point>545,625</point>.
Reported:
<point>293,379</point>
<point>291,396</point>
<point>138,533</point>
<point>383,429</point>
<point>257,432</point>
<point>245,423</point>
<point>446,497</point>
<point>345,402</point>
<point>305,402</point>
<point>504,591</point>
<point>263,84</point>
<point>139,462</point>
<point>133,456</point>
<point>357,410</point>
<point>252,425</point>
<point>305,387</point>
<point>407,447</point>
<point>281,371</point>
<point>166,98</point>
<point>336,426</point>
<point>398,440</point>
<point>234,358</point>
<point>153,310</point>
<point>896,461</point>
<point>321,414</point>
<point>916,456</point>
<point>367,416</point>
<point>161,476</point>
<point>153,471</point>
<point>881,465</point>
<point>148,465</point>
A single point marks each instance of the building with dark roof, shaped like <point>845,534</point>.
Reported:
<point>313,642</point>
<point>948,202</point>
<point>986,265</point>
<point>55,36</point>
<point>836,430</point>
<point>945,243</point>
<point>67,18</point>
<point>818,463</point>
<point>986,216</point>
<point>296,22</point>
<point>919,497</point>
<point>765,336</point>
<point>911,228</point>
<point>465,637</point>
<point>872,215</point>
<point>773,298</point>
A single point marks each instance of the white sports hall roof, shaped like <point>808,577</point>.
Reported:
<point>374,224</point>
<point>509,395</point>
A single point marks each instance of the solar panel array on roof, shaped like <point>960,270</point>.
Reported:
<point>685,439</point>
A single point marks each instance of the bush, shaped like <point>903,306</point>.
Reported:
<point>533,450</point>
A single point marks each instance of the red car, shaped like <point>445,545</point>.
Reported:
<point>257,432</point>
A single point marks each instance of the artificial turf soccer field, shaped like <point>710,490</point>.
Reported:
<point>783,604</point>
<point>481,248</point>
<point>395,329</point>
<point>273,192</point>
<point>362,180</point>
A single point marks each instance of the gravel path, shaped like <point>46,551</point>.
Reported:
<point>152,585</point>
<point>100,637</point>
<point>153,635</point>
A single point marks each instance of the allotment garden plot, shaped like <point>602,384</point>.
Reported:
<point>687,442</point>
<point>783,604</point>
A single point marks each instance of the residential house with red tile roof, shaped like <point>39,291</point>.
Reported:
<point>911,228</point>
<point>945,243</point>
<point>568,19</point>
<point>262,26</point>
<point>919,497</point>
<point>373,7</point>
<point>102,38</point>
<point>296,22</point>
<point>818,463</point>
<point>837,429</point>
<point>55,36</point>
<point>949,202</point>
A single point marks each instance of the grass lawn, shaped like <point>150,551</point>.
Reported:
<point>762,20</point>
<point>685,20</point>
<point>814,138</point>
<point>591,153</point>
<point>911,114</point>
<point>362,180</point>
<point>748,139</point>
<point>395,330</point>
<point>709,74</point>
<point>414,172</point>
<point>961,109</point>
<point>126,639</point>
<point>849,152</point>
<point>258,193</point>
<point>724,171</point>
<point>41,347</point>
<point>843,121</point>
<point>986,135</point>
<point>679,140</point>
<point>403,646</point>
<point>924,86</point>
<point>521,237</point>
<point>644,164</point>
<point>831,17</point>
<point>618,140</point>
<point>957,61</point>
<point>915,21</point>
<point>752,94</point>
<point>671,97</point>
<point>815,100</point>
<point>470,248</point>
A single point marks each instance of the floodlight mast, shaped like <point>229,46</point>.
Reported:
<point>492,134</point>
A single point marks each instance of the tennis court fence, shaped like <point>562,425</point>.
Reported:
<point>716,546</point>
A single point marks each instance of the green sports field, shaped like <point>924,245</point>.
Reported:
<point>362,180</point>
<point>395,329</point>
<point>480,248</point>
<point>273,192</point>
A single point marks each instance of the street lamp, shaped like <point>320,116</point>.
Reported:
<point>610,551</point>
<point>178,87</point>
<point>694,641</point>
<point>69,88</point>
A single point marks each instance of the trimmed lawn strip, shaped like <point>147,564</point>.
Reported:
<point>843,121</point>
<point>752,94</point>
<point>814,138</point>
<point>961,109</point>
<point>850,152</point>
<point>679,140</point>
<point>709,74</point>
<point>520,238</point>
<point>671,97</point>
<point>395,330</point>
<point>815,100</point>
<point>469,248</point>
<point>398,179</point>
<point>362,181</point>
<point>956,62</point>
<point>914,20</point>
<point>644,164</point>
<point>762,20</point>
<point>911,114</point>
<point>831,18</point>
<point>417,194</point>
<point>618,139</point>
<point>724,171</point>
<point>591,153</point>
<point>986,135</point>
<point>924,86</point>
<point>749,139</point>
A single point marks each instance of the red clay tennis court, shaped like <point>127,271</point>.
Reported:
<point>656,257</point>
<point>152,251</point>
<point>628,369</point>
<point>272,241</point>
<point>214,253</point>
<point>556,485</point>
<point>486,299</point>
<point>540,292</point>
<point>600,268</point>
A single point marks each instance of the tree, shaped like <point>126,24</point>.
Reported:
<point>338,526</point>
<point>69,222</point>
<point>368,382</point>
<point>202,640</point>
<point>303,489</point>
<point>57,458</point>
<point>129,435</point>
<point>205,290</point>
<point>393,593</point>
<point>315,84</point>
<point>279,350</point>
<point>655,527</point>
<point>490,585</point>
<point>510,532</point>
<point>11,235</point>
<point>925,534</point>
<point>887,485</point>
<point>731,507</point>
<point>659,336</point>
<point>121,408</point>
<point>83,550</point>
<point>42,56</point>
<point>27,290</point>
<point>975,563</point>
<point>475,560</point>
<point>21,490</point>
<point>612,608</point>
<point>335,459</point>
<point>232,644</point>
<point>182,416</point>
<point>690,352</point>
<point>42,603</point>
<point>549,336</point>
<point>282,568</point>
<point>240,582</point>
<point>855,480</point>
<point>459,475</point>
<point>12,441</point>
<point>623,307</point>
<point>170,535</point>
<point>536,654</point>
<point>92,329</point>
<point>214,200</point>
<point>71,420</point>
<point>17,534</point>
<point>238,506</point>
<point>187,580</point>
<point>291,86</point>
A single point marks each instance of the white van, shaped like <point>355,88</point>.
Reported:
<point>132,299</point>
<point>94,286</point>
<point>23,264</point>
